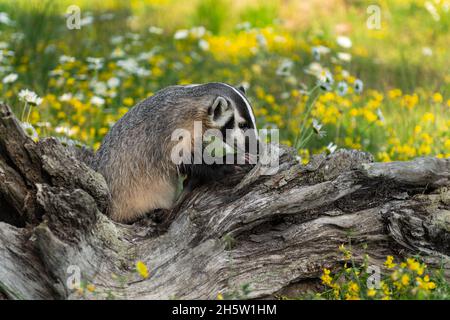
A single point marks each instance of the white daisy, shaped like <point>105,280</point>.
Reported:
<point>65,130</point>
<point>30,131</point>
<point>65,97</point>
<point>318,51</point>
<point>331,147</point>
<point>66,59</point>
<point>344,56</point>
<point>5,19</point>
<point>155,30</point>
<point>317,127</point>
<point>427,51</point>
<point>198,32</point>
<point>181,34</point>
<point>380,115</point>
<point>358,85</point>
<point>113,82</point>
<point>344,42</point>
<point>30,97</point>
<point>342,88</point>
<point>10,78</point>
<point>325,80</point>
<point>97,101</point>
<point>95,63</point>
<point>285,67</point>
<point>203,44</point>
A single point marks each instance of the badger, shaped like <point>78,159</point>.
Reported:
<point>136,157</point>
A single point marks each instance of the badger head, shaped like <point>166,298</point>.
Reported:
<point>231,113</point>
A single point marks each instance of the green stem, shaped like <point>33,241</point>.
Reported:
<point>298,140</point>
<point>22,117</point>
<point>303,142</point>
<point>28,115</point>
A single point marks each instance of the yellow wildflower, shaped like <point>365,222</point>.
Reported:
<point>326,278</point>
<point>141,268</point>
<point>128,101</point>
<point>90,287</point>
<point>394,93</point>
<point>371,292</point>
<point>428,117</point>
<point>405,279</point>
<point>389,263</point>
<point>353,287</point>
<point>437,98</point>
<point>413,265</point>
<point>417,129</point>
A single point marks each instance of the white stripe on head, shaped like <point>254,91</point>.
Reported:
<point>249,108</point>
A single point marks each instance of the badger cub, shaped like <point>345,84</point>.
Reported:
<point>135,156</point>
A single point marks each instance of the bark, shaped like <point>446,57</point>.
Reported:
<point>273,233</point>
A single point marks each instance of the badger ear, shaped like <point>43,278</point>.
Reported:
<point>241,88</point>
<point>220,110</point>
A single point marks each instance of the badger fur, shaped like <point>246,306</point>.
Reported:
<point>135,156</point>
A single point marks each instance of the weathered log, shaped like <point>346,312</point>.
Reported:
<point>273,233</point>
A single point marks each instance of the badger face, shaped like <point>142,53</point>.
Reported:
<point>233,115</point>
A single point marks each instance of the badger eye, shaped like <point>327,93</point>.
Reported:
<point>243,125</point>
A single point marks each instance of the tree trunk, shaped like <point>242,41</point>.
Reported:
<point>273,233</point>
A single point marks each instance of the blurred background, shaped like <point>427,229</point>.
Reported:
<point>370,75</point>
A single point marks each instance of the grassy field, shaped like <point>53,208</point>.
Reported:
<point>329,74</point>
<point>125,51</point>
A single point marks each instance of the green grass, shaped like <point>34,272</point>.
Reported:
<point>383,59</point>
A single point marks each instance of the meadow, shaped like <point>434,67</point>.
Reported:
<point>385,88</point>
<point>328,74</point>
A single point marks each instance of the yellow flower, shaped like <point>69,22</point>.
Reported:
<point>413,265</point>
<point>385,289</point>
<point>219,296</point>
<point>326,278</point>
<point>405,279</point>
<point>424,149</point>
<point>142,269</point>
<point>389,263</point>
<point>90,287</point>
<point>428,117</point>
<point>371,292</point>
<point>395,93</point>
<point>102,131</point>
<point>417,129</point>
<point>447,144</point>
<point>128,102</point>
<point>437,97</point>
<point>347,253</point>
<point>353,287</point>
<point>351,297</point>
<point>409,101</point>
<point>370,116</point>
<point>431,285</point>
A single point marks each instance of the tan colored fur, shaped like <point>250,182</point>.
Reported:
<point>143,197</point>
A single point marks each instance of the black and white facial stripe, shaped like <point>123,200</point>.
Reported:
<point>245,115</point>
<point>242,113</point>
<point>232,113</point>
